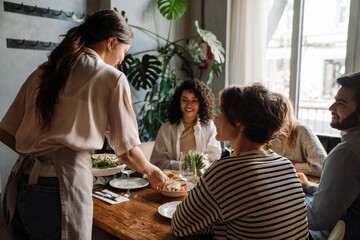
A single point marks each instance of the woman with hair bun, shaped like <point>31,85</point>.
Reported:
<point>60,115</point>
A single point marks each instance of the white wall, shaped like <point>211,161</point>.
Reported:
<point>142,13</point>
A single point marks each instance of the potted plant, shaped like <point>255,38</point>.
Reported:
<point>155,73</point>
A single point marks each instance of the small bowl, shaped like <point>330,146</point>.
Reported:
<point>175,194</point>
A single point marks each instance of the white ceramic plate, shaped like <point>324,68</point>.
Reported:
<point>178,193</point>
<point>168,209</point>
<point>106,171</point>
<point>129,183</point>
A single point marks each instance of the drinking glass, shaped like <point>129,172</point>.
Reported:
<point>227,146</point>
<point>127,171</point>
<point>187,167</point>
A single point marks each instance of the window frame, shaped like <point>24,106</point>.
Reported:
<point>352,59</point>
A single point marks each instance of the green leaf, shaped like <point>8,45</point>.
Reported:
<point>172,9</point>
<point>141,74</point>
<point>195,51</point>
<point>217,69</point>
<point>126,63</point>
<point>216,47</point>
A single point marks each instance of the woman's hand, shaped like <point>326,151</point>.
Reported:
<point>135,159</point>
<point>303,180</point>
<point>157,178</point>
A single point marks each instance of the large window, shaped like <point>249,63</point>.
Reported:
<point>307,53</point>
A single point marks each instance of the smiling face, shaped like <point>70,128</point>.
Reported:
<point>189,105</point>
<point>344,111</point>
<point>116,52</point>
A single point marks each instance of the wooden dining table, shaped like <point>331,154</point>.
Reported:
<point>137,218</point>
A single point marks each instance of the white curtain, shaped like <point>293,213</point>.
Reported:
<point>248,35</point>
<point>252,25</point>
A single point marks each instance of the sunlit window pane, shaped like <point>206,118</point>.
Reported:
<point>322,60</point>
<point>278,51</point>
<point>322,57</point>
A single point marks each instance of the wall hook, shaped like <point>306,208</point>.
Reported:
<point>46,45</point>
<point>18,7</point>
<point>58,14</point>
<point>46,10</point>
<point>71,14</point>
<point>35,44</point>
<point>22,42</point>
<point>82,16</point>
<point>33,9</point>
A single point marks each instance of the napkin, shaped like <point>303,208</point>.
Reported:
<point>118,200</point>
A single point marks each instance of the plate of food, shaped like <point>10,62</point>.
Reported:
<point>171,174</point>
<point>176,188</point>
<point>106,164</point>
<point>168,209</point>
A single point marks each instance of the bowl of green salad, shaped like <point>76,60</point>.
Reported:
<point>106,164</point>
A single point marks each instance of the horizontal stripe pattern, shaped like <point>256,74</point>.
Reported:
<point>254,195</point>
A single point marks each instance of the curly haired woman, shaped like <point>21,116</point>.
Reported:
<point>189,127</point>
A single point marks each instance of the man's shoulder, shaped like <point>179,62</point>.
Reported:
<point>351,144</point>
<point>344,150</point>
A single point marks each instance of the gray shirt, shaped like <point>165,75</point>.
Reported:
<point>307,153</point>
<point>338,193</point>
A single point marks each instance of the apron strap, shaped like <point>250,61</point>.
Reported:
<point>28,161</point>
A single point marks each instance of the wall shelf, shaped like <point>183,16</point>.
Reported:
<point>30,44</point>
<point>44,12</point>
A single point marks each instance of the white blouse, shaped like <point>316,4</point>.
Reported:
<point>96,98</point>
<point>166,153</point>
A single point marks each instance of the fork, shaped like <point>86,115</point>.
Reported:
<point>107,195</point>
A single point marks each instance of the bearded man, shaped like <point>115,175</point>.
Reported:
<point>337,196</point>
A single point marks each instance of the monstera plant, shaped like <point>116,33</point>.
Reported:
<point>155,74</point>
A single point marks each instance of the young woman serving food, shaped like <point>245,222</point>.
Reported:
<point>60,115</point>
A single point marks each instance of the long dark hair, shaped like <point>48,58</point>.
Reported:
<point>62,60</point>
<point>202,92</point>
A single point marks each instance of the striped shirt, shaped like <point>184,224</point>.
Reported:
<point>254,195</point>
